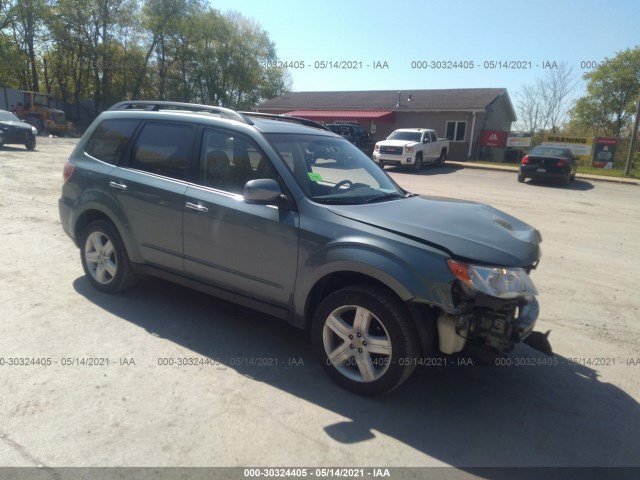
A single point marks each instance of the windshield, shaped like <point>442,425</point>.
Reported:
<point>410,136</point>
<point>333,171</point>
<point>8,117</point>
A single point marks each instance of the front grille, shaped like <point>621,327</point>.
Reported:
<point>391,150</point>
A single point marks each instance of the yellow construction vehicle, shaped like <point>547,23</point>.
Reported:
<point>35,109</point>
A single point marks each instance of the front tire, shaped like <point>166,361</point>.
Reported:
<point>365,339</point>
<point>30,144</point>
<point>418,164</point>
<point>104,258</point>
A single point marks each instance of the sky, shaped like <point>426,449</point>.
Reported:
<point>406,44</point>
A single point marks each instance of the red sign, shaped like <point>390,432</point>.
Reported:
<point>493,138</point>
<point>605,152</point>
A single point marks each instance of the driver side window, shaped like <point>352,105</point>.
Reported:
<point>229,160</point>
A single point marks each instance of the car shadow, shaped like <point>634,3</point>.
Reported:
<point>530,414</point>
<point>427,170</point>
<point>577,184</point>
<point>17,149</point>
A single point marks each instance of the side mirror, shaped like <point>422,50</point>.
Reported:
<point>263,191</point>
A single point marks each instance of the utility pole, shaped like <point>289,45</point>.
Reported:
<point>632,147</point>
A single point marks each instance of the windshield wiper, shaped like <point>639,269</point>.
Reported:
<point>334,201</point>
<point>383,197</point>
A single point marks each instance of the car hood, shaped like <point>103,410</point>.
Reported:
<point>14,125</point>
<point>398,143</point>
<point>465,230</point>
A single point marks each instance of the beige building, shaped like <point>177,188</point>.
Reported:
<point>458,114</point>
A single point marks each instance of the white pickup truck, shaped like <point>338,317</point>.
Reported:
<point>411,147</point>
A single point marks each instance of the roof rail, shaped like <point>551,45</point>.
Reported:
<point>286,118</point>
<point>156,106</point>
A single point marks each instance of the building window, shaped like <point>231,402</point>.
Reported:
<point>456,131</point>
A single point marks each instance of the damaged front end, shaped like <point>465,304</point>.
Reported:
<point>495,309</point>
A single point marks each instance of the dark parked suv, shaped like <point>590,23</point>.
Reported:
<point>355,134</point>
<point>232,204</point>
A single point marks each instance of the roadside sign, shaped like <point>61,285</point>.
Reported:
<point>605,152</point>
<point>519,140</point>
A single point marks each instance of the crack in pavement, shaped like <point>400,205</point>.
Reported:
<point>24,453</point>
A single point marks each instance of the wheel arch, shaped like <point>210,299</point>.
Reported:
<point>425,279</point>
<point>334,281</point>
<point>94,213</point>
<point>423,316</point>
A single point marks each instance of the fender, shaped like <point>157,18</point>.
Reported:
<point>97,200</point>
<point>426,280</point>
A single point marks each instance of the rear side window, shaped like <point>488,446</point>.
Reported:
<point>109,140</point>
<point>163,149</point>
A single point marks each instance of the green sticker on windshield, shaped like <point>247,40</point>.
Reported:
<point>314,177</point>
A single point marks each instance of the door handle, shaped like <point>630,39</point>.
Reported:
<point>119,186</point>
<point>196,206</point>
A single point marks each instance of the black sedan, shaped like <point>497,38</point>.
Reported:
<point>14,130</point>
<point>549,163</point>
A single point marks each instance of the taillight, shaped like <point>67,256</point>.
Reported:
<point>67,170</point>
<point>562,162</point>
<point>525,160</point>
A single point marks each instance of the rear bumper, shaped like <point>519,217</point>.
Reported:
<point>548,173</point>
<point>65,212</point>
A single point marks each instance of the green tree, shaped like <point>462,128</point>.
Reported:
<point>109,50</point>
<point>12,62</point>
<point>234,58</point>
<point>165,22</point>
<point>26,20</point>
<point>612,90</point>
<point>86,55</point>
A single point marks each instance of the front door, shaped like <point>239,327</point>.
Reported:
<point>246,249</point>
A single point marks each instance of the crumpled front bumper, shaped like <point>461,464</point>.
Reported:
<point>490,324</point>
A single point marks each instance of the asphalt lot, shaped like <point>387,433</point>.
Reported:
<point>233,406</point>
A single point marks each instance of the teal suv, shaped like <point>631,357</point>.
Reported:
<point>284,216</point>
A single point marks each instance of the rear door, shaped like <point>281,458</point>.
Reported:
<point>247,249</point>
<point>428,147</point>
<point>435,145</point>
<point>150,188</point>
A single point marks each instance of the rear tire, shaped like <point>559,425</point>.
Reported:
<point>365,339</point>
<point>443,157</point>
<point>104,258</point>
<point>521,178</point>
<point>566,179</point>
